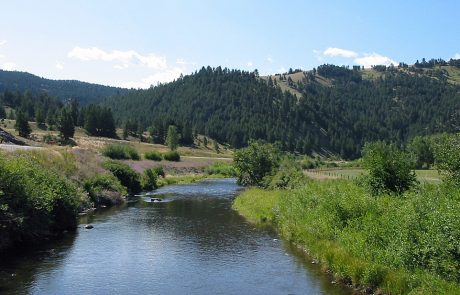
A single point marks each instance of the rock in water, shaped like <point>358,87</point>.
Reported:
<point>89,226</point>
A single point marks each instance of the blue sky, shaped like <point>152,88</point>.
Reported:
<point>139,43</point>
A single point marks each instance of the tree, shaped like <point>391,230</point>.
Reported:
<point>172,137</point>
<point>256,162</point>
<point>205,141</point>
<point>65,124</point>
<point>447,156</point>
<point>22,125</point>
<point>125,130</point>
<point>389,168</point>
<point>216,146</point>
<point>40,116</point>
<point>2,112</point>
<point>421,150</point>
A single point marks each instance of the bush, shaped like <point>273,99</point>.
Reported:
<point>35,202</point>
<point>105,189</point>
<point>120,152</point>
<point>289,175</point>
<point>172,156</point>
<point>153,155</point>
<point>125,174</point>
<point>255,162</point>
<point>447,156</point>
<point>221,168</point>
<point>150,178</point>
<point>389,168</point>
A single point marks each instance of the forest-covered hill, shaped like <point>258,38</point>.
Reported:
<point>63,89</point>
<point>329,109</point>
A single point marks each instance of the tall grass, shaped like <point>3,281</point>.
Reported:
<point>399,245</point>
<point>221,169</point>
<point>153,155</point>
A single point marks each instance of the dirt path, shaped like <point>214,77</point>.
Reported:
<point>13,147</point>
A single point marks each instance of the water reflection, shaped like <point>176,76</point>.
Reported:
<point>192,244</point>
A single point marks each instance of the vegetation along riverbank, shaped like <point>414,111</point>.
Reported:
<point>384,232</point>
<point>44,189</point>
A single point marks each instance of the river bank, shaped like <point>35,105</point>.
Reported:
<point>43,191</point>
<point>406,245</point>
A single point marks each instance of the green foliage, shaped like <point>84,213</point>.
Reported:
<point>336,115</point>
<point>153,155</point>
<point>255,162</point>
<point>172,138</point>
<point>98,121</point>
<point>62,89</point>
<point>172,156</point>
<point>104,189</point>
<point>389,168</point>
<point>421,150</point>
<point>2,111</point>
<point>150,178</point>
<point>221,168</point>
<point>289,175</point>
<point>125,174</point>
<point>396,245</point>
<point>22,125</point>
<point>65,124</point>
<point>35,201</point>
<point>120,152</point>
<point>447,156</point>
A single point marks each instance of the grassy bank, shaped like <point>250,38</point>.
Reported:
<point>399,245</point>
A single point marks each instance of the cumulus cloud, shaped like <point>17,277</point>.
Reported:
<point>373,59</point>
<point>270,60</point>
<point>159,77</point>
<point>2,42</point>
<point>334,51</point>
<point>249,64</point>
<point>9,66</point>
<point>124,59</point>
<point>457,56</point>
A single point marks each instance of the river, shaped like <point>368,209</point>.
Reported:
<point>191,243</point>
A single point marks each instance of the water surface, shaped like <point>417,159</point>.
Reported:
<point>192,243</point>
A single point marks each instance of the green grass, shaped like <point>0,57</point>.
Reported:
<point>396,245</point>
<point>120,152</point>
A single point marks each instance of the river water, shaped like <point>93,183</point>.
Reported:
<point>192,243</point>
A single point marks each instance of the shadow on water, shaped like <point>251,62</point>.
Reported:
<point>190,243</point>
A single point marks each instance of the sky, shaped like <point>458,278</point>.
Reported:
<point>137,44</point>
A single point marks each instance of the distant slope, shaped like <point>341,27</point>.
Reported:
<point>62,89</point>
<point>330,109</point>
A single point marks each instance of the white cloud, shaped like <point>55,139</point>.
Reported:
<point>125,58</point>
<point>334,51</point>
<point>159,77</point>
<point>249,64</point>
<point>9,66</point>
<point>457,56</point>
<point>59,65</point>
<point>2,42</point>
<point>373,59</point>
<point>270,60</point>
<point>2,56</point>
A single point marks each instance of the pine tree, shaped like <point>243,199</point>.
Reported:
<point>2,112</point>
<point>66,124</point>
<point>22,125</point>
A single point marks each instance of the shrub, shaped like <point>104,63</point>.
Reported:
<point>389,168</point>
<point>221,168</point>
<point>447,156</point>
<point>125,174</point>
<point>289,175</point>
<point>120,152</point>
<point>34,201</point>
<point>172,156</point>
<point>105,189</point>
<point>150,178</point>
<point>153,155</point>
<point>255,162</point>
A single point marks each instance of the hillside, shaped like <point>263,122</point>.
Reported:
<point>331,109</point>
<point>62,89</point>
